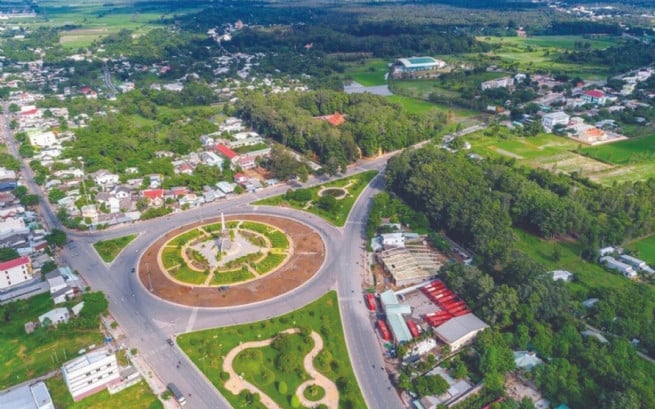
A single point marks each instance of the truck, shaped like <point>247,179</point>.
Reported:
<point>177,394</point>
<point>370,302</point>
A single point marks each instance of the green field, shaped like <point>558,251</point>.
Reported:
<point>25,356</point>
<point>644,249</point>
<point>369,72</point>
<point>208,348</point>
<point>138,396</point>
<point>356,184</point>
<point>566,42</point>
<point>109,249</point>
<point>631,151</point>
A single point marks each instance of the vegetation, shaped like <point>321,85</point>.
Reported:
<point>25,356</point>
<point>109,249</point>
<point>137,396</point>
<point>278,376</point>
<point>634,150</point>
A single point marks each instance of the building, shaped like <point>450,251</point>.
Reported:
<point>417,64</point>
<point>594,96</point>
<point>504,82</point>
<point>459,331</point>
<point>227,153</point>
<point>334,119</point>
<point>636,263</point>
<point>614,264</point>
<point>562,275</point>
<point>55,316</point>
<point>90,373</point>
<point>526,360</point>
<point>106,179</point>
<point>14,272</point>
<point>43,139</point>
<point>34,396</point>
<point>394,311</point>
<point>549,121</point>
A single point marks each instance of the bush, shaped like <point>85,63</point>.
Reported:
<point>225,376</point>
<point>295,402</point>
<point>282,388</point>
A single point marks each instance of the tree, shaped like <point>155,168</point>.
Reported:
<point>56,238</point>
<point>430,385</point>
<point>7,254</point>
<point>48,266</point>
<point>328,203</point>
<point>54,195</point>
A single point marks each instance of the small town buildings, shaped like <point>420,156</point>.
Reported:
<point>34,396</point>
<point>90,373</point>
<point>613,264</point>
<point>594,96</point>
<point>14,272</point>
<point>459,331</point>
<point>549,121</point>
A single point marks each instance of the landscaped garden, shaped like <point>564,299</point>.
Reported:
<point>109,249</point>
<point>276,368</point>
<point>138,396</point>
<point>213,255</point>
<point>326,206</point>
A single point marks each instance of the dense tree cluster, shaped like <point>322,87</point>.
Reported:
<point>373,124</point>
<point>624,57</point>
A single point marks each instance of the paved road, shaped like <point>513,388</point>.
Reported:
<point>148,321</point>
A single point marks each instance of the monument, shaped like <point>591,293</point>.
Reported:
<point>224,242</point>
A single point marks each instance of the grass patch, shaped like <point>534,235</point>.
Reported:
<point>207,349</point>
<point>230,277</point>
<point>138,396</point>
<point>356,184</point>
<point>630,151</point>
<point>188,275</point>
<point>644,249</point>
<point>184,238</point>
<point>109,249</point>
<point>314,393</point>
<point>171,257</point>
<point>368,73</point>
<point>271,261</point>
<point>24,356</point>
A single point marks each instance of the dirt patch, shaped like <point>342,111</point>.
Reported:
<point>307,257</point>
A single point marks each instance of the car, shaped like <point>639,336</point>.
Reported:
<point>133,270</point>
<point>169,341</point>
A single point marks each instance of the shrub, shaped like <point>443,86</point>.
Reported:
<point>295,402</point>
<point>282,388</point>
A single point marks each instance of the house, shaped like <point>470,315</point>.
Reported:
<point>549,121</point>
<point>90,212</point>
<point>459,331</point>
<point>526,360</point>
<point>27,396</point>
<point>43,139</point>
<point>15,271</point>
<point>211,159</point>
<point>105,179</point>
<point>55,316</point>
<point>393,240</point>
<point>226,152</point>
<point>231,124</point>
<point>562,275</point>
<point>153,194</point>
<point>90,373</point>
<point>594,96</point>
<point>155,180</point>
<point>247,162</point>
<point>334,119</point>
<point>240,178</point>
<point>613,264</point>
<point>226,187</point>
<point>503,82</point>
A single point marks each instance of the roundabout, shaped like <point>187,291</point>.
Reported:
<point>239,260</point>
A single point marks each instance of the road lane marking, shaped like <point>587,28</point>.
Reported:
<point>192,320</point>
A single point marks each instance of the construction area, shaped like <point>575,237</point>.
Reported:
<point>412,263</point>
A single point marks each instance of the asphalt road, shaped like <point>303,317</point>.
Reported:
<point>148,321</point>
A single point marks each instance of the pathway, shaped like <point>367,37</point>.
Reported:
<point>236,383</point>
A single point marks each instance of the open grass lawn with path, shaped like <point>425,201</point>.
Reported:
<point>369,72</point>
<point>24,356</point>
<point>207,349</point>
<point>137,396</point>
<point>630,151</point>
<point>355,184</point>
<point>109,249</point>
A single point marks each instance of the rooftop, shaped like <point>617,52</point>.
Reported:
<point>87,359</point>
<point>35,396</point>
<point>458,327</point>
<point>19,261</point>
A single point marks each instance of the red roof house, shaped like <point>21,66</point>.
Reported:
<point>225,151</point>
<point>153,194</point>
<point>335,119</point>
<point>19,261</point>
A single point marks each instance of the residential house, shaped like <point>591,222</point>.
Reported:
<point>334,119</point>
<point>211,159</point>
<point>105,179</point>
<point>594,96</point>
<point>90,212</point>
<point>549,121</point>
<point>155,196</point>
<point>504,82</point>
<point>55,316</point>
<point>90,373</point>
<point>226,187</point>
<point>43,139</point>
<point>227,153</point>
<point>15,271</point>
<point>230,125</point>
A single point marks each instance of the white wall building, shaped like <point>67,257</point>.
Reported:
<point>34,396</point>
<point>549,121</point>
<point>43,139</point>
<point>55,316</point>
<point>15,271</point>
<point>90,373</point>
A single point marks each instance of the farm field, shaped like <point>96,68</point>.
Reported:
<point>422,88</point>
<point>631,151</point>
<point>138,396</point>
<point>558,154</point>
<point>566,42</point>
<point>419,106</point>
<point>208,349</point>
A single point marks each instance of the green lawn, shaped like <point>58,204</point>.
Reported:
<point>644,249</point>
<point>188,275</point>
<point>230,277</point>
<point>337,217</point>
<point>631,151</point>
<point>24,356</point>
<point>562,41</point>
<point>138,396</point>
<point>109,249</point>
<point>207,349</point>
<point>368,73</point>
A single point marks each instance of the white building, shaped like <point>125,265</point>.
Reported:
<point>15,271</point>
<point>90,373</point>
<point>497,83</point>
<point>459,331</point>
<point>55,316</point>
<point>614,264</point>
<point>393,240</point>
<point>35,396</point>
<point>106,179</point>
<point>562,275</point>
<point>549,121</point>
<point>43,139</point>
<point>636,263</point>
